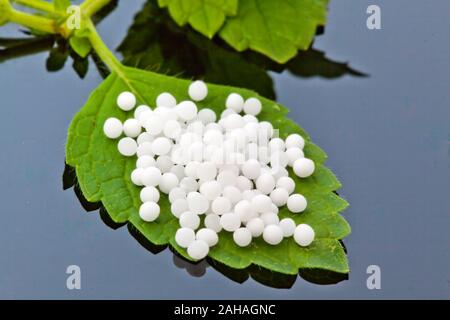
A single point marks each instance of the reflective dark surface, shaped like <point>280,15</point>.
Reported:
<point>387,137</point>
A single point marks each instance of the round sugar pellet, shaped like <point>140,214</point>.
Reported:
<point>279,172</point>
<point>242,237</point>
<point>304,235</point>
<point>265,183</point>
<point>248,118</point>
<point>245,211</point>
<point>198,90</point>
<point>278,159</point>
<point>112,128</point>
<point>126,101</point>
<point>165,99</point>
<point>172,129</point>
<point>178,207</point>
<point>235,102</point>
<point>230,222</point>
<point>288,226</point>
<point>227,178</point>
<point>207,116</point>
<point>176,193</point>
<point>294,153</point>
<point>295,140</point>
<point>273,208</point>
<point>261,203</point>
<point>197,202</point>
<point>151,176</point>
<point>144,137</point>
<point>286,183</point>
<point>198,249</point>
<point>149,194</point>
<point>145,161</point>
<point>279,196</point>
<point>276,144</point>
<point>140,109</point>
<point>207,235</point>
<point>184,237</point>
<point>296,203</point>
<point>186,110</point>
<point>251,169</point>
<point>189,220</point>
<point>178,170</point>
<point>207,171</point>
<point>136,176</point>
<point>191,169</point>
<point>303,167</point>
<point>149,211</point>
<point>270,218</point>
<point>144,149</point>
<point>164,163</point>
<point>232,193</point>
<point>144,116</point>
<point>161,146</point>
<point>212,221</point>
<point>131,128</point>
<point>234,121</point>
<point>127,146</point>
<point>273,234</point>
<point>221,205</point>
<point>211,190</point>
<point>252,106</point>
<point>256,227</point>
<point>168,182</point>
<point>189,184</point>
<point>243,183</point>
<point>154,125</point>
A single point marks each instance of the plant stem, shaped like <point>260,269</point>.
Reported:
<point>38,5</point>
<point>33,22</point>
<point>90,7</point>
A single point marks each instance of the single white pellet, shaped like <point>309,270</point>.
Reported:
<point>186,110</point>
<point>144,149</point>
<point>296,203</point>
<point>149,194</point>
<point>248,118</point>
<point>207,235</point>
<point>206,116</point>
<point>221,205</point>
<point>144,116</point>
<point>295,140</point>
<point>270,218</point>
<point>127,146</point>
<point>256,227</point>
<point>294,153</point>
<point>265,183</point>
<point>145,161</point>
<point>232,193</point>
<point>168,182</point>
<point>131,128</point>
<point>273,234</point>
<point>286,183</point>
<point>164,163</point>
<point>112,128</point>
<point>288,227</point>
<point>140,109</point>
<point>126,101</point>
<point>251,169</point>
<point>197,202</point>
<point>243,183</point>
<point>234,121</point>
<point>184,237</point>
<point>279,196</point>
<point>176,193</point>
<point>149,211</point>
<point>136,176</point>
<point>189,184</point>
<point>273,208</point>
<point>245,211</point>
<point>151,176</point>
<point>279,159</point>
<point>206,171</point>
<point>172,129</point>
<point>230,222</point>
<point>165,99</point>
<point>154,125</point>
<point>189,220</point>
<point>304,235</point>
<point>276,144</point>
<point>198,90</point>
<point>178,207</point>
<point>144,137</point>
<point>227,178</point>
<point>235,102</point>
<point>212,221</point>
<point>161,146</point>
<point>252,106</point>
<point>242,237</point>
<point>303,167</point>
<point>191,169</point>
<point>261,203</point>
<point>198,249</point>
<point>211,190</point>
<point>178,170</point>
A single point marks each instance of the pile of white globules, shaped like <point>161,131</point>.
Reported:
<point>227,175</point>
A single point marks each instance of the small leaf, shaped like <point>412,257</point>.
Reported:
<point>80,45</point>
<point>205,16</point>
<point>104,175</point>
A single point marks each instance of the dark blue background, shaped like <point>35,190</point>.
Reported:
<point>387,137</point>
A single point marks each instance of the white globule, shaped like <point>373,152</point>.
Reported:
<point>226,174</point>
<point>113,128</point>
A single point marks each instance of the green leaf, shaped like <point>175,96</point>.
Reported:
<point>61,5</point>
<point>80,45</point>
<point>277,29</point>
<point>104,175</point>
<point>205,16</point>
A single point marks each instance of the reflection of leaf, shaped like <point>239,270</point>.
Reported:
<point>104,175</point>
<point>205,16</point>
